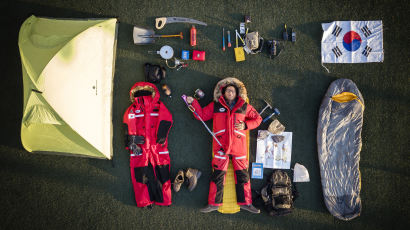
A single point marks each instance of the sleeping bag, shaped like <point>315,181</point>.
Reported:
<point>339,144</point>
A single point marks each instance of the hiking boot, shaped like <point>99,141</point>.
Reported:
<point>250,208</point>
<point>179,180</point>
<point>192,176</point>
<point>209,208</point>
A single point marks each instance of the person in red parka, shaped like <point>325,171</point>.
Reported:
<point>148,123</point>
<point>232,116</point>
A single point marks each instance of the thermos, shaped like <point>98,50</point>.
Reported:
<point>193,36</point>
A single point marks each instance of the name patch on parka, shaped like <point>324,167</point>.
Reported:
<point>219,108</point>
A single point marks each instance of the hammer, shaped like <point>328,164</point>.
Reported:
<point>267,106</point>
<point>275,111</point>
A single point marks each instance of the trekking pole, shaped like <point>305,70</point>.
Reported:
<point>190,107</point>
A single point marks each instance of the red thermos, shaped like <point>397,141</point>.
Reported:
<point>193,36</point>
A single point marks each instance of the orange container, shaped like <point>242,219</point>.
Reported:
<point>193,36</point>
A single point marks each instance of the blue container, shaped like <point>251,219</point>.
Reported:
<point>185,55</point>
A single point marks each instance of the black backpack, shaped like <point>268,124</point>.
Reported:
<point>279,194</point>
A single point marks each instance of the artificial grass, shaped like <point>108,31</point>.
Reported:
<point>47,191</point>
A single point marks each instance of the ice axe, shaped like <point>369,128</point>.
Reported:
<point>190,107</point>
<point>267,106</point>
<point>275,111</point>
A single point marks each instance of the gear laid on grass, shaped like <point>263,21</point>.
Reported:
<point>192,176</point>
<point>179,180</point>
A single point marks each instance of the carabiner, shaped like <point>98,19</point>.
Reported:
<point>190,107</point>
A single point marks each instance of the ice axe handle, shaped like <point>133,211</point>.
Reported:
<point>263,110</point>
<point>276,111</point>
<point>160,23</point>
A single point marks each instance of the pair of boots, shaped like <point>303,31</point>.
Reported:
<point>190,175</point>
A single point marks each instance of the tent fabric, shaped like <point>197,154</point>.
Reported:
<point>68,72</point>
<point>339,145</point>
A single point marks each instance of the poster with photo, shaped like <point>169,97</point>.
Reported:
<point>275,150</point>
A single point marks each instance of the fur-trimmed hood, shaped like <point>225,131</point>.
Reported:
<point>144,86</point>
<point>230,80</point>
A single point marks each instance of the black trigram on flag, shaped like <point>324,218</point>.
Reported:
<point>366,51</point>
<point>366,31</point>
<point>337,52</point>
<point>336,31</point>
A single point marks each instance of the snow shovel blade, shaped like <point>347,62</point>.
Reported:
<point>142,36</point>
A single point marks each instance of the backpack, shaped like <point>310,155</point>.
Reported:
<point>279,194</point>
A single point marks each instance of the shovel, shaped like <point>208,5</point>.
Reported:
<point>147,36</point>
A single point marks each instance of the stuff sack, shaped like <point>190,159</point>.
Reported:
<point>198,55</point>
<point>279,194</point>
<point>253,43</point>
<point>154,73</point>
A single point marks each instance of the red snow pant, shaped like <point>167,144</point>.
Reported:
<point>150,176</point>
<point>242,182</point>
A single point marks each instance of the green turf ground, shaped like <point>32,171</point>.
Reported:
<point>57,192</point>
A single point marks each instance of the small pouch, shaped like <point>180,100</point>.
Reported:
<point>198,55</point>
<point>276,127</point>
<point>185,55</point>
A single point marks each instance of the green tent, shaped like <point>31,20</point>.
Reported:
<point>68,72</point>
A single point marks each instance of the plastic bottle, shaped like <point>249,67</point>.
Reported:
<point>193,36</point>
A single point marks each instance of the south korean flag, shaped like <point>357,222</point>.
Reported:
<point>352,42</point>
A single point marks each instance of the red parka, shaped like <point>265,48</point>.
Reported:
<point>233,140</point>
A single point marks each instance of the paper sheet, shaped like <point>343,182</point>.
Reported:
<point>274,155</point>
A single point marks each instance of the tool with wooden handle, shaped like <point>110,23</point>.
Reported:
<point>180,35</point>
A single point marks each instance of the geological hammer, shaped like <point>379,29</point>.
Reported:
<point>267,106</point>
<point>275,111</point>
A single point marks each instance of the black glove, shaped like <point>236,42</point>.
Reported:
<point>163,129</point>
<point>135,149</point>
<point>136,139</point>
<point>154,73</point>
<point>133,142</point>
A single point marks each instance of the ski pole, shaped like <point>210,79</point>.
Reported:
<point>190,107</point>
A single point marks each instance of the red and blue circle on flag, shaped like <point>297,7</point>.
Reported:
<point>352,41</point>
